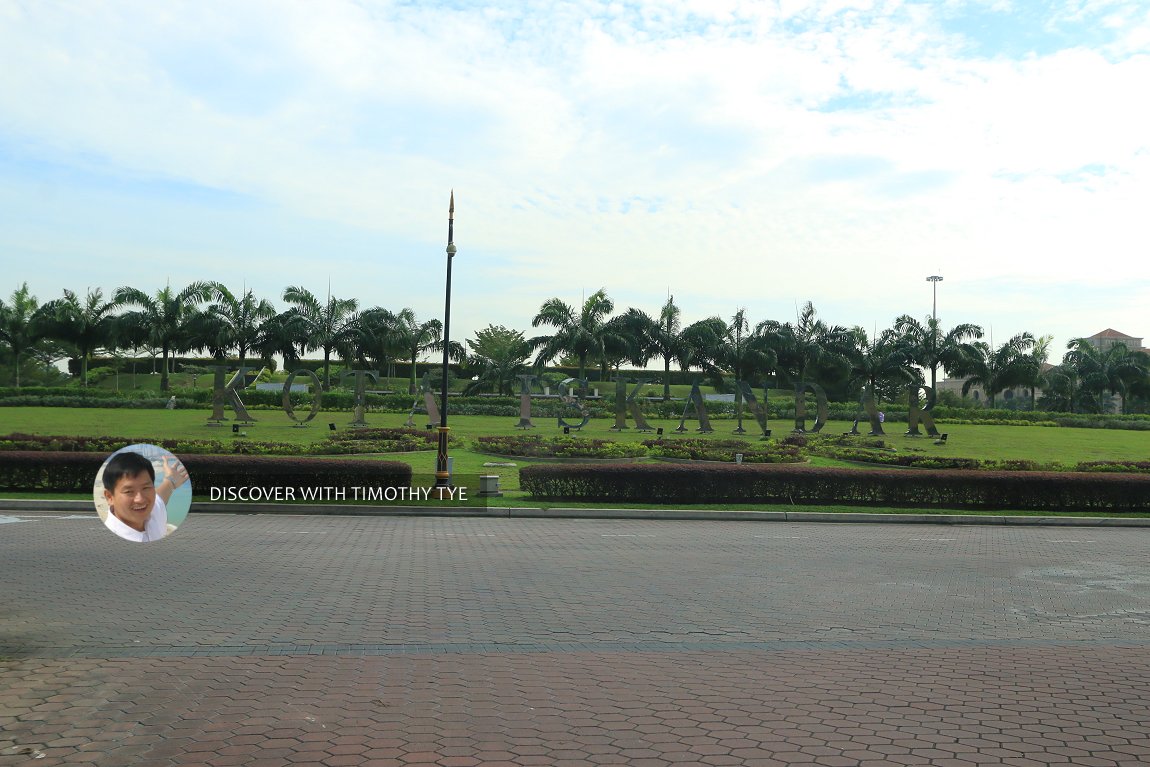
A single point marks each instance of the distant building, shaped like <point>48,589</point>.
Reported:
<point>1110,337</point>
<point>1103,340</point>
<point>978,397</point>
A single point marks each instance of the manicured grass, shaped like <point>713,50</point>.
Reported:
<point>1042,444</point>
<point>1037,443</point>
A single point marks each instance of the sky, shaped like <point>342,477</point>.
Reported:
<point>733,154</point>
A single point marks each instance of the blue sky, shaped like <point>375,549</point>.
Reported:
<point>738,154</point>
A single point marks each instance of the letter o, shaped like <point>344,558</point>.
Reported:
<point>316,400</point>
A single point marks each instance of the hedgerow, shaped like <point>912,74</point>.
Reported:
<point>71,472</point>
<point>798,485</point>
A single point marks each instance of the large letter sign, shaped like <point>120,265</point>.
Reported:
<point>822,412</point>
<point>226,394</point>
<point>868,406</point>
<point>361,377</point>
<point>623,403</point>
<point>317,398</point>
<point>695,400</point>
<point>573,398</point>
<point>525,382</point>
<point>759,410</point>
<point>429,404</point>
<point>914,414</point>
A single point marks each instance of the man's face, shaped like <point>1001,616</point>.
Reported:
<point>132,500</point>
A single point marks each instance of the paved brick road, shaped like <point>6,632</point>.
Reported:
<point>380,641</point>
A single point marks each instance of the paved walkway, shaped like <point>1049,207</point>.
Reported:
<point>258,640</point>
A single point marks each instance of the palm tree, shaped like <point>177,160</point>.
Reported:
<point>931,348</point>
<point>1061,389</point>
<point>664,337</point>
<point>413,339</point>
<point>21,324</point>
<point>164,320</point>
<point>285,334</point>
<point>583,333</point>
<point>1112,371</point>
<point>881,365</point>
<point>330,326</point>
<point>234,323</point>
<point>627,337</point>
<point>700,341</point>
<point>736,350</point>
<point>1035,376</point>
<point>806,345</point>
<point>377,344</point>
<point>87,325</point>
<point>998,369</point>
<point>500,355</point>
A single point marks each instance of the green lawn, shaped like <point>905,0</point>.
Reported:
<point>1038,443</point>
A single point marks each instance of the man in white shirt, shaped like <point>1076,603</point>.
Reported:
<point>138,509</point>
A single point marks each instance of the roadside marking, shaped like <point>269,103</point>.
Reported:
<point>790,537</point>
<point>30,517</point>
<point>1066,540</point>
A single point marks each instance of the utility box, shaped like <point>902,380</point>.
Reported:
<point>489,486</point>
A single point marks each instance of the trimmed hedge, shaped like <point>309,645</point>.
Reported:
<point>62,472</point>
<point>797,485</point>
<point>724,450</point>
<point>534,446</point>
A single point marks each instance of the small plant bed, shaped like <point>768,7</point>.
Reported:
<point>371,440</point>
<point>723,450</point>
<point>533,446</point>
<point>905,460</point>
<point>816,442</point>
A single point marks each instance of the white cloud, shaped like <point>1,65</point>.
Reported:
<point>736,148</point>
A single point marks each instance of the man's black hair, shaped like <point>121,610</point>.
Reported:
<point>126,464</point>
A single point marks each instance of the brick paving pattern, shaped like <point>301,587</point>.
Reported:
<point>455,642</point>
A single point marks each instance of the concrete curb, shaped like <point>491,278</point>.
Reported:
<point>506,512</point>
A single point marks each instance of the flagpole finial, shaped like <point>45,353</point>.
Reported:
<point>451,207</point>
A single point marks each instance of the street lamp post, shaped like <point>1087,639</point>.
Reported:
<point>442,475</point>
<point>934,279</point>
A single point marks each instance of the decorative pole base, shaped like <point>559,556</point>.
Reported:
<point>442,475</point>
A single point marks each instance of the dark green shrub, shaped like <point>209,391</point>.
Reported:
<point>1139,467</point>
<point>790,484</point>
<point>70,472</point>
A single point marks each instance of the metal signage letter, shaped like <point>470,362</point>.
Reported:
<point>695,399</point>
<point>361,377</point>
<point>625,403</point>
<point>822,411</point>
<point>758,409</point>
<point>525,382</point>
<point>226,394</point>
<point>914,414</point>
<point>574,398</point>
<point>317,395</point>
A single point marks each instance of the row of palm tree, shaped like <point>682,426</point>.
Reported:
<point>206,316</point>
<point>811,351</point>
